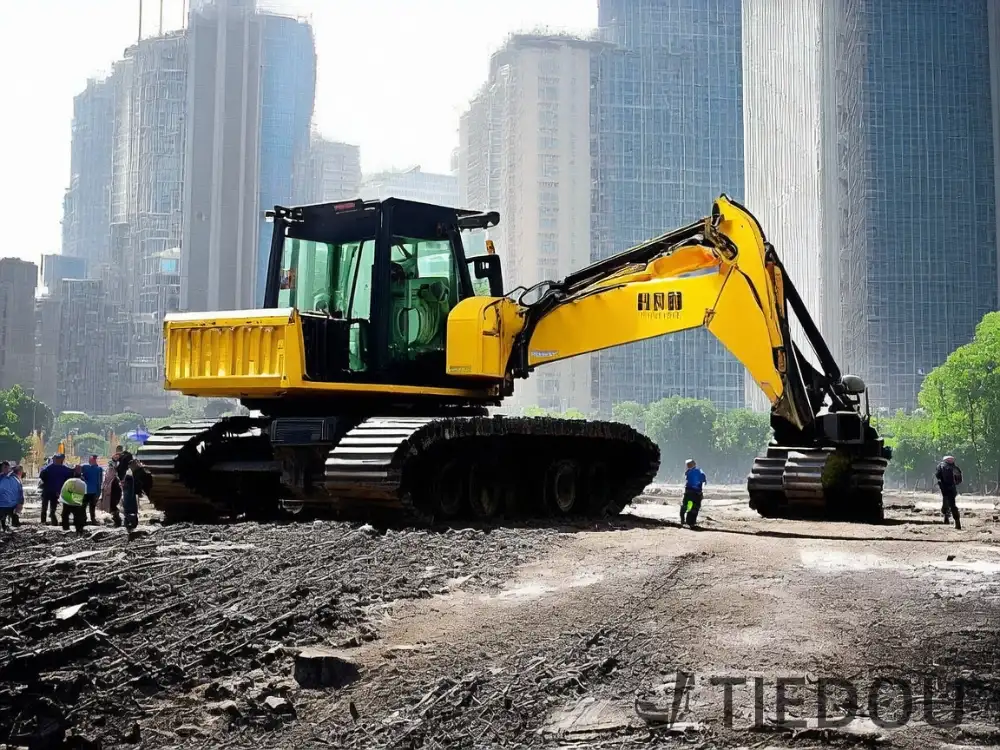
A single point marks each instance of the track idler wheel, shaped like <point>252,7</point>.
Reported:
<point>562,487</point>
<point>450,491</point>
<point>598,486</point>
<point>486,494</point>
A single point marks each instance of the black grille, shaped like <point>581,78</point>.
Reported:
<point>303,430</point>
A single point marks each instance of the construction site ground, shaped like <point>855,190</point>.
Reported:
<point>338,635</point>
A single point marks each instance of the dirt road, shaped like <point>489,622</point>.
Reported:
<point>529,636</point>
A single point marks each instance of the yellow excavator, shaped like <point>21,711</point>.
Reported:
<point>369,373</point>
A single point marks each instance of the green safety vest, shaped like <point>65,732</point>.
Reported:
<point>73,491</point>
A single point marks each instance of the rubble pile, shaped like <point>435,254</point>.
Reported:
<point>95,632</point>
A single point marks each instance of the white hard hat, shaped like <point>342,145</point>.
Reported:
<point>689,461</point>
<point>949,459</point>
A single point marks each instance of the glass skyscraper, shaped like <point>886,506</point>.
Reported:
<point>288,89</point>
<point>668,139</point>
<point>932,229</point>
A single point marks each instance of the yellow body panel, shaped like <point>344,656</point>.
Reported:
<point>481,333</point>
<point>255,354</point>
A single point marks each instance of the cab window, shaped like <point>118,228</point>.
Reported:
<point>424,287</point>
<point>331,279</point>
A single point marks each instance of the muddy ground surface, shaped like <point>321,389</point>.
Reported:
<point>194,637</point>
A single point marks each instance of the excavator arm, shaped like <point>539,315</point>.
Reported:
<point>719,273</point>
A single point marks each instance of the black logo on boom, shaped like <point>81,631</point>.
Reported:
<point>659,301</point>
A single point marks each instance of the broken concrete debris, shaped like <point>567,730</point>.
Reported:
<point>322,668</point>
<point>279,705</point>
<point>191,630</point>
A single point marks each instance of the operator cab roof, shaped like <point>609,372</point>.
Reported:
<point>318,216</point>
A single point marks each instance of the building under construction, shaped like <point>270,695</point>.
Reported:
<point>327,171</point>
<point>250,100</point>
<point>146,208</point>
<point>85,206</point>
<point>175,154</point>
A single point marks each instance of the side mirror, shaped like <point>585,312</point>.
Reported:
<point>487,275</point>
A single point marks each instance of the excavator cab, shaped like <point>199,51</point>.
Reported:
<point>374,282</point>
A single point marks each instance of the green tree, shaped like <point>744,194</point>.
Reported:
<point>188,407</point>
<point>631,413</point>
<point>683,428</point>
<point>740,436</point>
<point>29,413</point>
<point>78,422</point>
<point>536,411</point>
<point>12,447</point>
<point>743,431</point>
<point>914,451</point>
<point>17,412</point>
<point>89,444</point>
<point>962,400</point>
<point>123,422</point>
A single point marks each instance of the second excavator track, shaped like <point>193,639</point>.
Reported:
<point>184,462</point>
<point>818,483</point>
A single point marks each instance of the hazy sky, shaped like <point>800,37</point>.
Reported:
<point>394,76</point>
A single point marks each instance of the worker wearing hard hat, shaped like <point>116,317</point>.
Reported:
<point>74,490</point>
<point>694,482</point>
<point>949,476</point>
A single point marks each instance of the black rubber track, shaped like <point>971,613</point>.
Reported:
<point>387,467</point>
<point>392,462</point>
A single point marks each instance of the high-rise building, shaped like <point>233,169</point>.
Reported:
<point>47,313</point>
<point>525,152</point>
<point>86,208</point>
<point>82,380</point>
<point>219,245</point>
<point>48,323</point>
<point>250,92</point>
<point>667,109</point>
<point>148,182</point>
<point>18,280</point>
<point>411,184</point>
<point>930,132</point>
<point>897,103</point>
<point>804,66</point>
<point>327,171</point>
<point>287,93</point>
<point>55,268</point>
